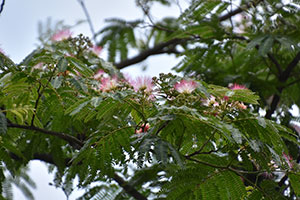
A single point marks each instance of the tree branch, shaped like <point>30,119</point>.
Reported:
<point>88,18</point>
<point>286,74</point>
<point>239,10</point>
<point>159,48</point>
<point>2,6</point>
<point>283,77</point>
<point>151,51</point>
<point>127,187</point>
<point>48,158</point>
<point>70,139</point>
<point>273,59</point>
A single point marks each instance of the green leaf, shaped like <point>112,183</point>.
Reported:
<point>57,81</point>
<point>62,65</point>
<point>75,111</point>
<point>266,46</point>
<point>77,106</point>
<point>3,123</point>
<point>80,67</point>
<point>262,122</point>
<point>95,101</point>
<point>295,182</point>
<point>256,41</point>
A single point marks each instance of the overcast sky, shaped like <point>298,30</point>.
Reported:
<point>18,37</point>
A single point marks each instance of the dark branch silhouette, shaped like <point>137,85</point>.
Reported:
<point>239,10</point>
<point>283,77</point>
<point>68,138</point>
<point>88,18</point>
<point>157,49</point>
<point>2,6</point>
<point>48,158</point>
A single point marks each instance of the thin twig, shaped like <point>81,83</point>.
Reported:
<point>160,48</point>
<point>81,2</point>
<point>40,95</point>
<point>203,145</point>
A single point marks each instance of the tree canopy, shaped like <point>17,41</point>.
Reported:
<point>222,131</point>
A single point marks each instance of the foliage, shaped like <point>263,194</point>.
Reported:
<point>168,137</point>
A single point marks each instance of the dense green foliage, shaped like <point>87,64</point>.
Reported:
<point>168,137</point>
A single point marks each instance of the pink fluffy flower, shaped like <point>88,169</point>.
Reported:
<point>99,74</point>
<point>185,86</point>
<point>128,78</point>
<point>237,87</point>
<point>143,83</point>
<point>211,101</point>
<point>39,66</point>
<point>144,128</point>
<point>288,159</point>
<point>241,106</point>
<point>96,49</point>
<point>108,84</point>
<point>61,35</point>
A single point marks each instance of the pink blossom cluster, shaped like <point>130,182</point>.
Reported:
<point>96,49</point>
<point>143,83</point>
<point>237,87</point>
<point>61,35</point>
<point>144,128</point>
<point>108,83</point>
<point>288,159</point>
<point>185,86</point>
<point>211,101</point>
<point>218,105</point>
<point>39,66</point>
<point>140,84</point>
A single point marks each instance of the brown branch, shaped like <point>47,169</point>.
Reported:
<point>68,138</point>
<point>273,59</point>
<point>239,10</point>
<point>146,53</point>
<point>283,77</point>
<point>81,2</point>
<point>160,48</point>
<point>286,74</point>
<point>48,158</point>
<point>203,145</point>
<point>2,6</point>
<point>127,187</point>
<point>206,163</point>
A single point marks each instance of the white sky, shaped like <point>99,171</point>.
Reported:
<point>18,37</point>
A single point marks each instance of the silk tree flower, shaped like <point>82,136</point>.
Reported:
<point>39,66</point>
<point>241,106</point>
<point>185,86</point>
<point>99,74</point>
<point>288,159</point>
<point>108,84</point>
<point>96,49</point>
<point>143,83</point>
<point>144,128</point>
<point>210,101</point>
<point>128,79</point>
<point>237,87</point>
<point>61,35</point>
